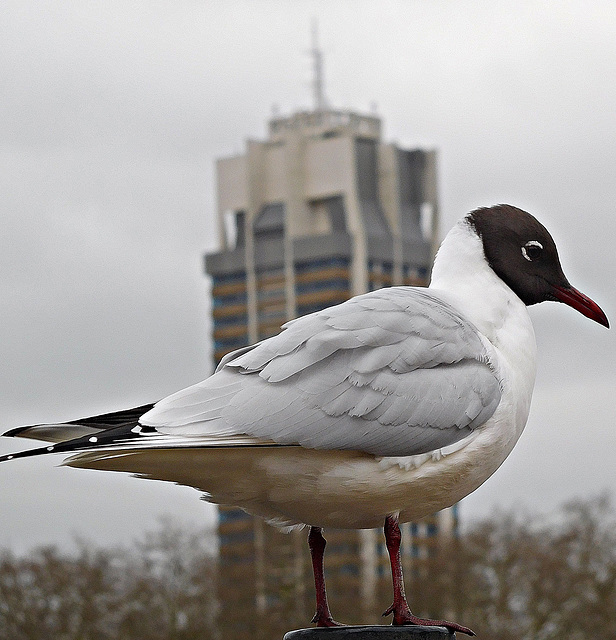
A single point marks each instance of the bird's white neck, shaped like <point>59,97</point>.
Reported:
<point>464,276</point>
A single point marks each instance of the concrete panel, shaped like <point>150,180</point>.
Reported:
<point>329,168</point>
<point>232,183</point>
<point>225,262</point>
<point>317,247</point>
<point>268,254</point>
<point>417,253</point>
<point>389,191</point>
<point>366,153</point>
<point>380,248</point>
<point>411,165</point>
<point>275,172</point>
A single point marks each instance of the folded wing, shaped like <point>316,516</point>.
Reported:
<point>393,372</point>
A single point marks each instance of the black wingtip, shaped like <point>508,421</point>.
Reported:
<point>14,432</point>
<point>28,453</point>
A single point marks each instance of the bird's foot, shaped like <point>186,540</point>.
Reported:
<point>403,615</point>
<point>324,619</point>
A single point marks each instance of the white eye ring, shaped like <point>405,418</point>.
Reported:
<point>530,243</point>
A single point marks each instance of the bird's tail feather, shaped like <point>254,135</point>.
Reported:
<point>108,434</point>
<point>78,434</point>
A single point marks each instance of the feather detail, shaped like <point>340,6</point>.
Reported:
<point>395,371</point>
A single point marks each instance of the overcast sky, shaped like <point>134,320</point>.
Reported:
<point>111,117</point>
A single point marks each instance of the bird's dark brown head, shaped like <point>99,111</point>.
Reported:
<point>523,254</point>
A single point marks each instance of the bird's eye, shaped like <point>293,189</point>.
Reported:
<point>532,250</point>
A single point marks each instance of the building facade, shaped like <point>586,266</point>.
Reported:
<point>320,211</point>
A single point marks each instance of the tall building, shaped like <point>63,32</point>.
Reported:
<point>321,210</point>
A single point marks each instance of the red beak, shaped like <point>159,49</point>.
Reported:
<point>583,304</point>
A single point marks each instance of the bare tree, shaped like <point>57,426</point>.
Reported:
<point>509,577</point>
<point>163,588</point>
<point>513,577</point>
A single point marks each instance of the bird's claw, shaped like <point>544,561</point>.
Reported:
<point>404,616</point>
<point>388,611</point>
<point>324,620</point>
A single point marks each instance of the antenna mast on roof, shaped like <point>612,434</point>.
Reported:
<point>317,58</point>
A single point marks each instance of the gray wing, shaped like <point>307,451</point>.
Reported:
<point>392,372</point>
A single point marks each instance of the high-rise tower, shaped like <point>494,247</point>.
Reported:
<point>320,211</point>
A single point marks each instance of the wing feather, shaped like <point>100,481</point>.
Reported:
<point>393,372</point>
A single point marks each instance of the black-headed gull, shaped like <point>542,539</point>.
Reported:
<point>387,407</point>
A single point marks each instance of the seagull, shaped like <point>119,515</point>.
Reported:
<point>383,409</point>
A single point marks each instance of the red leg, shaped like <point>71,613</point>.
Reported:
<point>316,542</point>
<point>400,608</point>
